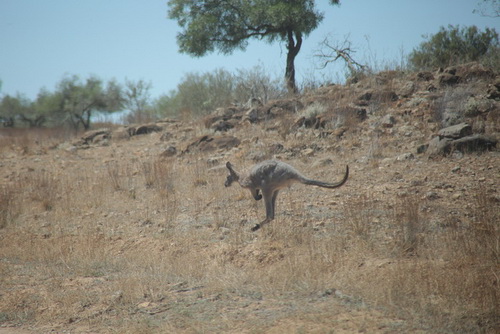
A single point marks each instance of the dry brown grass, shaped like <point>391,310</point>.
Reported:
<point>33,141</point>
<point>92,275</point>
<point>95,243</point>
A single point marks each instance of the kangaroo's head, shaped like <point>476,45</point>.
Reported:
<point>233,175</point>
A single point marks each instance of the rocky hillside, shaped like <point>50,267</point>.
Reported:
<point>131,229</point>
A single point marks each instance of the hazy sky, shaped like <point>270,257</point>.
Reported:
<point>42,40</point>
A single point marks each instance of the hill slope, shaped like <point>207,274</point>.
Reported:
<point>131,229</point>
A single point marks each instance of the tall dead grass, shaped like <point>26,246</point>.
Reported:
<point>444,278</point>
<point>33,140</point>
<point>129,241</point>
<point>8,205</point>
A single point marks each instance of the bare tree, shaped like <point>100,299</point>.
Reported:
<point>330,52</point>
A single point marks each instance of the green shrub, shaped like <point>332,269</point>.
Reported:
<point>199,94</point>
<point>456,45</point>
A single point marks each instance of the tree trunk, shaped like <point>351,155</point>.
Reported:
<point>86,121</point>
<point>294,44</point>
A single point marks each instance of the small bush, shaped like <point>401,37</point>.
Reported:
<point>456,45</point>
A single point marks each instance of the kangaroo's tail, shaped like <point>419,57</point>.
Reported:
<point>326,184</point>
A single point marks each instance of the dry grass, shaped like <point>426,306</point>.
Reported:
<point>32,141</point>
<point>149,245</point>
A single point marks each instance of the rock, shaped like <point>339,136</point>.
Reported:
<point>425,76</point>
<point>456,131</point>
<point>94,136</point>
<point>210,143</point>
<point>422,148</point>
<point>405,156</point>
<point>276,148</point>
<point>432,195</point>
<point>166,136</point>
<point>169,152</point>
<point>448,79</point>
<point>308,152</point>
<point>147,128</point>
<point>381,95</point>
<point>438,146</point>
<point>121,133</point>
<point>323,162</point>
<point>474,143</point>
<point>366,96</point>
<point>407,89</point>
<point>451,118</point>
<point>313,122</point>
<point>222,126</point>
<point>387,121</point>
<point>252,115</point>
<point>493,91</point>
<point>492,124</point>
<point>477,106</point>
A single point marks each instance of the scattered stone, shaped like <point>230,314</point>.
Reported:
<point>323,162</point>
<point>169,152</point>
<point>166,136</point>
<point>425,76</point>
<point>147,128</point>
<point>432,195</point>
<point>387,121</point>
<point>308,152</point>
<point>406,89</point>
<point>405,156</point>
<point>121,133</point>
<point>95,135</point>
<point>456,131</point>
<point>493,91</point>
<point>448,79</point>
<point>276,148</point>
<point>438,146</point>
<point>252,115</point>
<point>474,143</point>
<point>210,143</point>
<point>422,148</point>
<point>222,126</point>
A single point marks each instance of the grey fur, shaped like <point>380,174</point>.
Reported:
<point>269,177</point>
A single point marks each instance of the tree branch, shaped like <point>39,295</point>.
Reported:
<point>336,52</point>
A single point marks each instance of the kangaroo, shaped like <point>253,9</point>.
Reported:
<point>269,177</point>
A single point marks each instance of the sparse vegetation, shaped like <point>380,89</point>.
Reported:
<point>199,94</point>
<point>117,237</point>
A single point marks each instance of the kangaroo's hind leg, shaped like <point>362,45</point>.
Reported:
<point>270,201</point>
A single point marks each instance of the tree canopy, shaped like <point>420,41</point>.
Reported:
<point>227,25</point>
<point>73,102</point>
